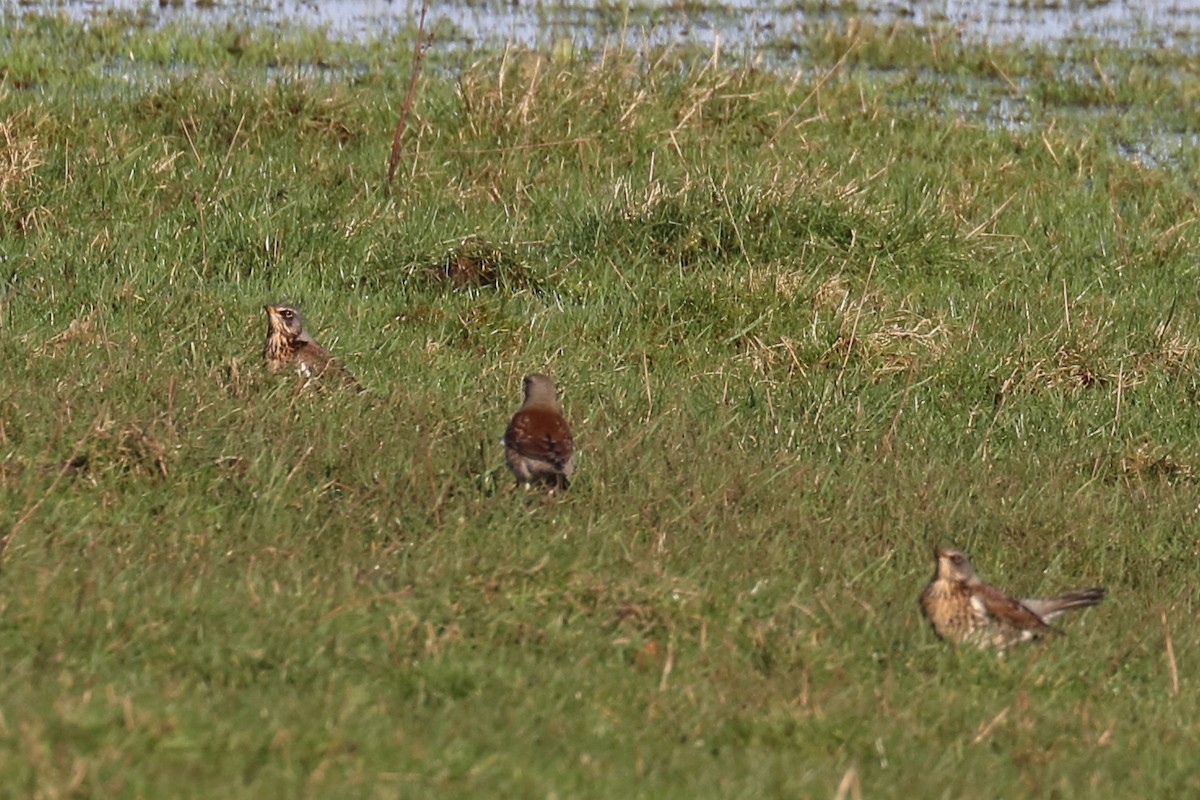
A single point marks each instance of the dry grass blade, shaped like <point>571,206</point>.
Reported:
<point>668,665</point>
<point>21,154</point>
<point>991,220</point>
<point>1172,667</point>
<point>986,729</point>
<point>849,786</point>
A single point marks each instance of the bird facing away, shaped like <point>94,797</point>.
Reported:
<point>538,445</point>
<point>965,610</point>
<point>289,345</point>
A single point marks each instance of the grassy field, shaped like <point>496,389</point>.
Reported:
<point>813,310</point>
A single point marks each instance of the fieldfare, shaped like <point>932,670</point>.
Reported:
<point>538,445</point>
<point>965,610</point>
<point>290,345</point>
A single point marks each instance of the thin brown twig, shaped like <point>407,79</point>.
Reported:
<point>418,55</point>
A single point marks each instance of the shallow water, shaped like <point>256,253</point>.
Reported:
<point>737,24</point>
<point>761,31</point>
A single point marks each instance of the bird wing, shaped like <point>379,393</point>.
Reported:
<point>320,361</point>
<point>312,351</point>
<point>1006,610</point>
<point>540,434</point>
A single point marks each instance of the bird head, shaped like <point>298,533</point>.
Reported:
<point>284,320</point>
<point>539,390</point>
<point>953,565</point>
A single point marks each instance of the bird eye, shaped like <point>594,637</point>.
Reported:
<point>287,313</point>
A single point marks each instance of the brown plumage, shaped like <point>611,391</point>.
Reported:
<point>290,346</point>
<point>538,445</point>
<point>965,610</point>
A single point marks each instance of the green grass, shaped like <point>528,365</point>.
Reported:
<point>808,321</point>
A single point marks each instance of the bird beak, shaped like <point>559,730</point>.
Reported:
<point>938,553</point>
<point>270,310</point>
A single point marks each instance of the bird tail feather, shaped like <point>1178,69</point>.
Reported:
<point>1051,607</point>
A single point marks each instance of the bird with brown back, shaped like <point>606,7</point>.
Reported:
<point>537,444</point>
<point>965,610</point>
<point>289,345</point>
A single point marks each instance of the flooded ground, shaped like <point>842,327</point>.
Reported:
<point>740,25</point>
<point>1066,35</point>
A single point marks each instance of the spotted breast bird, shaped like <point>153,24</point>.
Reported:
<point>289,345</point>
<point>538,445</point>
<point>965,610</point>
